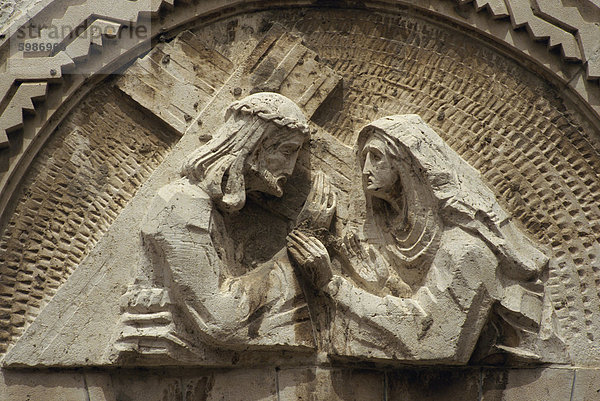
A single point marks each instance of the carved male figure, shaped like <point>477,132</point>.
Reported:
<point>436,256</point>
<point>218,301</point>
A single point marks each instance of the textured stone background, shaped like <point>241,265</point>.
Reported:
<point>12,9</point>
<point>79,183</point>
<point>533,146</point>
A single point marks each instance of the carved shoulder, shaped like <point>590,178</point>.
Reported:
<point>465,262</point>
<point>178,204</point>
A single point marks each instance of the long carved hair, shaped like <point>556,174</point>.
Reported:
<point>459,193</point>
<point>220,164</point>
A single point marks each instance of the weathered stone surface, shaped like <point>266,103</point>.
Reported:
<point>433,385</point>
<point>194,385</point>
<point>76,188</point>
<point>250,384</point>
<point>12,117</point>
<point>586,385</point>
<point>100,386</point>
<point>302,383</point>
<point>37,386</point>
<point>12,8</point>
<point>134,385</point>
<point>154,386</point>
<point>416,261</point>
<point>424,273</point>
<point>414,269</point>
<point>527,384</point>
<point>562,19</point>
<point>426,294</point>
<point>177,80</point>
<point>330,384</point>
<point>119,277</point>
<point>229,298</point>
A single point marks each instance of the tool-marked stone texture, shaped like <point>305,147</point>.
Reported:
<point>79,183</point>
<point>531,145</point>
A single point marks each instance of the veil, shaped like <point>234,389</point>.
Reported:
<point>464,199</point>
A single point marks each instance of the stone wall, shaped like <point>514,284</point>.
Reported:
<point>306,383</point>
<point>11,10</point>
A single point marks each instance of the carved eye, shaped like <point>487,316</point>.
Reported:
<point>375,156</point>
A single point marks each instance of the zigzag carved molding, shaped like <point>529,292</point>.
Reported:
<point>550,20</point>
<point>21,102</point>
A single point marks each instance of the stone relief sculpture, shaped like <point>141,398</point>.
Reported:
<point>192,259</point>
<point>437,270</point>
<point>436,257</point>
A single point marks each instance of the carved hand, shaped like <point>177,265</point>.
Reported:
<point>362,259</point>
<point>312,257</point>
<point>320,203</point>
<point>147,319</point>
<point>364,263</point>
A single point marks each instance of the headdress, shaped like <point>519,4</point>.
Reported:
<point>463,198</point>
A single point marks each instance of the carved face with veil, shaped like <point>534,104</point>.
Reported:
<point>415,185</point>
<point>380,175</point>
<point>436,238</point>
<point>401,208</point>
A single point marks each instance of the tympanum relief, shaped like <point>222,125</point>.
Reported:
<point>272,235</point>
<point>435,263</point>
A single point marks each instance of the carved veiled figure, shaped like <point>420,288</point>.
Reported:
<point>436,260</point>
<point>195,288</point>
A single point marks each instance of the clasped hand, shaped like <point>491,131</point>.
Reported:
<point>320,204</point>
<point>312,257</point>
<point>306,250</point>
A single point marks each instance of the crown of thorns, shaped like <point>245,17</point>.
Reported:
<point>274,108</point>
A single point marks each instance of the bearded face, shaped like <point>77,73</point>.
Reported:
<point>273,162</point>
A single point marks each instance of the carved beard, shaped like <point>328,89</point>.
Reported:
<point>263,180</point>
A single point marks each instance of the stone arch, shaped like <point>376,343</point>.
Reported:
<point>571,67</point>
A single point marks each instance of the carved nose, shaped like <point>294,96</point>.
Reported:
<point>367,167</point>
